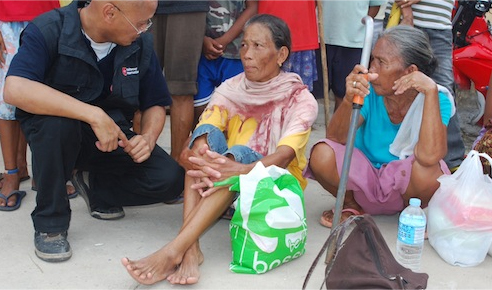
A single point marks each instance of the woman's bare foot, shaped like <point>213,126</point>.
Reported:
<point>154,268</point>
<point>188,271</point>
<point>348,210</point>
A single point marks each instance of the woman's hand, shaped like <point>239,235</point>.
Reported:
<point>209,168</point>
<point>214,166</point>
<point>415,80</point>
<point>357,82</point>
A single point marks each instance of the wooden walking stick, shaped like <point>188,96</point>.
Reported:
<point>324,64</point>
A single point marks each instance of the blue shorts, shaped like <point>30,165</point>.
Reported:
<point>341,61</point>
<point>211,73</point>
<point>218,143</point>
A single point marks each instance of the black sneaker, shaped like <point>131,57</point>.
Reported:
<point>52,247</point>
<point>111,213</point>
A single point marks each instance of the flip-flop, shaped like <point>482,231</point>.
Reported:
<point>70,195</point>
<point>20,195</point>
<point>327,223</point>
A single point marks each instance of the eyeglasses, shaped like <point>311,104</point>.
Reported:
<point>139,31</point>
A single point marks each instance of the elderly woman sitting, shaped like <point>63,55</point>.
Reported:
<point>401,135</point>
<point>263,114</point>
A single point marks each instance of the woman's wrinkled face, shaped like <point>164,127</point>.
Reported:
<point>386,61</point>
<point>259,55</point>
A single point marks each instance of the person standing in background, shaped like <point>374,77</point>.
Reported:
<point>300,16</point>
<point>14,17</point>
<point>220,58</point>
<point>378,23</point>
<point>178,30</point>
<point>344,37</point>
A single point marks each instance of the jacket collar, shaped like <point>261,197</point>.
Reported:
<point>72,41</point>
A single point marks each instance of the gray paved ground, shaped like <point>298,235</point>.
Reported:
<point>98,247</point>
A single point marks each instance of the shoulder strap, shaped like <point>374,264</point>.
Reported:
<point>333,244</point>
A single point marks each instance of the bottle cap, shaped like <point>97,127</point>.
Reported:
<point>415,201</point>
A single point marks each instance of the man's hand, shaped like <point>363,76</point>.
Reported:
<point>138,147</point>
<point>107,133</point>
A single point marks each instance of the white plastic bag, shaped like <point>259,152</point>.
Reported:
<point>460,214</point>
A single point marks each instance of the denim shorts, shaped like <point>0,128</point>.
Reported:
<point>218,143</point>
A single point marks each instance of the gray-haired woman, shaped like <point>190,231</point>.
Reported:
<point>401,136</point>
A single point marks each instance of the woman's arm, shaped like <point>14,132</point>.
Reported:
<point>432,144</point>
<point>338,127</point>
<point>488,103</point>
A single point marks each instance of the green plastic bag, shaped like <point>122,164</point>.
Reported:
<point>268,227</point>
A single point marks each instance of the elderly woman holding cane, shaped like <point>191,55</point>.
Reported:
<point>401,136</point>
<point>263,114</point>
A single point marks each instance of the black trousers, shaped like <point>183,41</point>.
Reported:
<point>60,145</point>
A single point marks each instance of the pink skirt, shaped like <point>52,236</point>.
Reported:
<point>377,191</point>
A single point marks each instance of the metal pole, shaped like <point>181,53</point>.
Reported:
<point>349,147</point>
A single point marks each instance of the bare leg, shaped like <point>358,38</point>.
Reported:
<point>181,123</point>
<point>423,182</point>
<point>324,167</point>
<point>338,101</point>
<point>159,265</point>
<point>9,132</point>
<point>21,155</point>
<point>198,112</point>
<point>188,271</point>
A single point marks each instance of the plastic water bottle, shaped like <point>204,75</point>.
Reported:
<point>411,231</point>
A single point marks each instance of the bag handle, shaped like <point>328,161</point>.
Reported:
<point>336,236</point>
<point>473,154</point>
<point>484,155</point>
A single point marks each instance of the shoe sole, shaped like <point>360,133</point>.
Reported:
<point>59,257</point>
<point>81,187</point>
<point>107,216</point>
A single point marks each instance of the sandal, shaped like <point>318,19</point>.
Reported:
<point>327,216</point>
<point>19,194</point>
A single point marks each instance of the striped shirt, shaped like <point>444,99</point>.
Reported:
<point>433,14</point>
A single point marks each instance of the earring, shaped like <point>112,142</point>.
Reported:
<point>280,65</point>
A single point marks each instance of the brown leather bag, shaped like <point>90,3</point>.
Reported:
<point>364,260</point>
